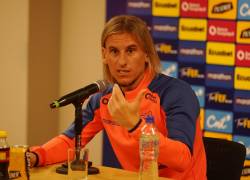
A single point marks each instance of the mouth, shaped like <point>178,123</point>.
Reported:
<point>123,72</point>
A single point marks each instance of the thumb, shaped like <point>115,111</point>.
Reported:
<point>140,96</point>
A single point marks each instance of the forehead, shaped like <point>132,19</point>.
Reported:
<point>121,39</point>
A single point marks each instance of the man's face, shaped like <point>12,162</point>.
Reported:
<point>126,59</point>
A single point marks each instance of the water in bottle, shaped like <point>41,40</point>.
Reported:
<point>149,150</point>
<point>4,156</point>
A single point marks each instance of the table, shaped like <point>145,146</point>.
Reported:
<point>106,173</point>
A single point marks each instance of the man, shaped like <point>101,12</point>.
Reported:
<point>131,63</point>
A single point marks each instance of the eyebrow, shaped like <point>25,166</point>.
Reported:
<point>132,46</point>
<point>129,46</point>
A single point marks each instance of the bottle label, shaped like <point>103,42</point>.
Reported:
<point>148,143</point>
<point>149,148</point>
<point>4,155</point>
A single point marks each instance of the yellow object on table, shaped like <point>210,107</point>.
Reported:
<point>18,163</point>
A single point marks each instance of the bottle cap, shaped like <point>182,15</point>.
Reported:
<point>3,134</point>
<point>149,119</point>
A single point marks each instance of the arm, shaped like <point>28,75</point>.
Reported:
<point>173,154</point>
<point>55,150</point>
<point>51,152</point>
<point>180,108</point>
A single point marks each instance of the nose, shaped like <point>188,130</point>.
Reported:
<point>122,60</point>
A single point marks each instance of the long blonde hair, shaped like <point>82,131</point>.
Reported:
<point>138,28</point>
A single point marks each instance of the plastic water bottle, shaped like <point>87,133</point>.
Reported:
<point>149,150</point>
<point>4,156</point>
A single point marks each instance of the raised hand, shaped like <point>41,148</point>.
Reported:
<point>123,112</point>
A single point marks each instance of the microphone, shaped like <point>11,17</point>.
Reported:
<point>83,93</point>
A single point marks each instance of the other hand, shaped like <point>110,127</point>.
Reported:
<point>32,158</point>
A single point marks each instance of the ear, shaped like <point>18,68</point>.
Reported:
<point>104,52</point>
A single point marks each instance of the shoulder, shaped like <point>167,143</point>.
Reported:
<point>94,101</point>
<point>174,92</point>
<point>166,84</point>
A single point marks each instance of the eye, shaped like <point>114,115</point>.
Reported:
<point>131,50</point>
<point>113,51</point>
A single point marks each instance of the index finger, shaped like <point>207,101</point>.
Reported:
<point>117,93</point>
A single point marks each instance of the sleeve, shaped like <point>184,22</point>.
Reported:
<point>172,153</point>
<point>181,108</point>
<point>55,150</point>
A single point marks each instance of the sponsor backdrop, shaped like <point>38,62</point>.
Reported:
<point>207,44</point>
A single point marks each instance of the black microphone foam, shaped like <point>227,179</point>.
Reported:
<point>80,94</point>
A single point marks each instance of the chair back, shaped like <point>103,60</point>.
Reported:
<point>225,159</point>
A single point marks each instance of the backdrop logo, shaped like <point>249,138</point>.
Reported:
<point>242,101</point>
<point>243,55</point>
<point>194,8</point>
<point>165,28</point>
<point>166,49</point>
<point>242,78</point>
<point>219,76</point>
<point>200,93</point>
<point>244,9</point>
<point>193,29</point>
<point>243,32</point>
<point>220,53</point>
<point>139,7</point>
<point>192,73</point>
<point>219,121</point>
<point>219,98</point>
<point>241,123</point>
<point>221,9</point>
<point>169,68</point>
<point>245,140</point>
<point>191,51</point>
<point>221,30</point>
<point>165,5</point>
<point>166,8</point>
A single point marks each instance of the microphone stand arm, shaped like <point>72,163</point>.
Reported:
<point>78,127</point>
